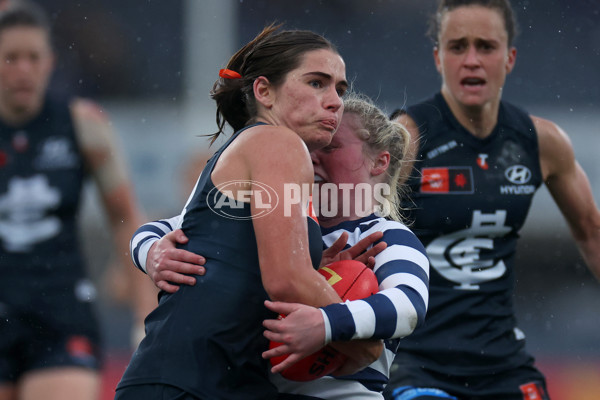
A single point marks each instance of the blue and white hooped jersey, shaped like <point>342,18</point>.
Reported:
<point>402,271</point>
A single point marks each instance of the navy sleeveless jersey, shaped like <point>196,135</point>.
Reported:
<point>470,197</point>
<point>41,179</point>
<point>207,339</point>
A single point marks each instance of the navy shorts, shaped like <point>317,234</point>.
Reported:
<point>56,331</point>
<point>522,383</point>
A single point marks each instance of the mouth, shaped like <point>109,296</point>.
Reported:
<point>330,124</point>
<point>23,91</point>
<point>473,82</point>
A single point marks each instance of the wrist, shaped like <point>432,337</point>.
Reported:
<point>143,252</point>
<point>327,326</point>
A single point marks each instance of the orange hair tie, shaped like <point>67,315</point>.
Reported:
<point>229,74</point>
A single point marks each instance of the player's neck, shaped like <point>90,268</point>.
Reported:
<point>479,120</point>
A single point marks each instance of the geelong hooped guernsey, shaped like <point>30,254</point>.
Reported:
<point>207,339</point>
<point>41,179</point>
<point>402,271</point>
<point>470,198</point>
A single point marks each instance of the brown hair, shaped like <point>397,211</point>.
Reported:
<point>503,6</point>
<point>24,14</point>
<point>272,54</point>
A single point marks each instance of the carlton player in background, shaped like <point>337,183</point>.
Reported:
<point>50,345</point>
<point>479,160</point>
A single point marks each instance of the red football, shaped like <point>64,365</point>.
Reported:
<point>352,280</point>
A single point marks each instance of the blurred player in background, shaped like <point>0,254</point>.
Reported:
<point>50,346</point>
<point>479,161</point>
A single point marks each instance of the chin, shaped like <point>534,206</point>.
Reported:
<point>470,100</point>
<point>319,143</point>
<point>24,103</point>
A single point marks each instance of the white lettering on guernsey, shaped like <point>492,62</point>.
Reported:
<point>442,149</point>
<point>457,256</point>
<point>56,153</point>
<point>25,207</point>
<point>518,190</point>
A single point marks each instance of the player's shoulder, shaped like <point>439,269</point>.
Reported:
<point>378,223</point>
<point>266,144</point>
<point>556,150</point>
<point>549,133</point>
<point>92,126</point>
<point>394,233</point>
<point>545,126</point>
<point>84,109</point>
<point>273,136</point>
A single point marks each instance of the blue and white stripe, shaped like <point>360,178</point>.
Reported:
<point>402,271</point>
<point>146,235</point>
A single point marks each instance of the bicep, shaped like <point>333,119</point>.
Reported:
<point>566,181</point>
<point>403,272</point>
<point>99,146</point>
<point>282,241</point>
<point>282,234</point>
<point>571,190</point>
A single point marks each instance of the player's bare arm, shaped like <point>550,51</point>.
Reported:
<point>107,166</point>
<point>569,186</point>
<point>413,146</point>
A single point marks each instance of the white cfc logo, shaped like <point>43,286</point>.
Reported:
<point>457,256</point>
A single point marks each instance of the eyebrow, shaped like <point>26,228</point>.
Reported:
<point>342,83</point>
<point>477,40</point>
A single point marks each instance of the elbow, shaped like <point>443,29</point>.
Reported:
<point>408,322</point>
<point>304,287</point>
<point>282,290</point>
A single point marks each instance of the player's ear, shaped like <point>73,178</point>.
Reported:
<point>436,59</point>
<point>380,163</point>
<point>511,58</point>
<point>263,91</point>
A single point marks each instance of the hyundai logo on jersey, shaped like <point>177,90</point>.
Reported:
<point>518,174</point>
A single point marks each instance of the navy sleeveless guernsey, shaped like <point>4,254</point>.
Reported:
<point>46,299</point>
<point>470,198</point>
<point>41,179</point>
<point>207,339</point>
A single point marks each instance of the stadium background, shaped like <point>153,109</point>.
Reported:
<point>151,63</point>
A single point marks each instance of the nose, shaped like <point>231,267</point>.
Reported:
<point>333,99</point>
<point>23,64</point>
<point>471,57</point>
